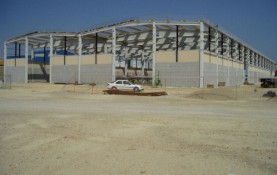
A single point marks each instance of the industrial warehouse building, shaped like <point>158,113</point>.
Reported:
<point>179,53</point>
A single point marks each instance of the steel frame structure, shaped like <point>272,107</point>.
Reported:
<point>144,39</point>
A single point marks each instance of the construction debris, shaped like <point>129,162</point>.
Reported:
<point>119,92</point>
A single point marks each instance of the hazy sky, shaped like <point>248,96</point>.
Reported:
<point>254,21</point>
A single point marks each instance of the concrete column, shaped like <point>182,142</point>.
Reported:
<point>26,58</point>
<point>50,58</point>
<point>5,61</point>
<point>201,56</point>
<point>113,52</point>
<point>154,38</point>
<point>79,57</point>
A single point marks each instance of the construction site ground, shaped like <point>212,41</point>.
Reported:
<point>67,129</point>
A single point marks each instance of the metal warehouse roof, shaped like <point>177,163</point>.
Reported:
<point>132,33</point>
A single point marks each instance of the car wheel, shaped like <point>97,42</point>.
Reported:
<point>136,89</point>
<point>114,88</point>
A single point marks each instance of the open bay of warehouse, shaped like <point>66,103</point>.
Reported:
<point>67,129</point>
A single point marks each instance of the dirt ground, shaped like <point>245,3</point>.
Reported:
<point>66,129</point>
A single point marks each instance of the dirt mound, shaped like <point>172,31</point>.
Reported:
<point>210,96</point>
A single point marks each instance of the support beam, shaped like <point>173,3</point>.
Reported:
<point>239,48</point>
<point>126,61</point>
<point>50,58</point>
<point>201,56</point>
<point>209,39</point>
<point>15,53</point>
<point>236,51</point>
<point>79,57</point>
<point>96,47</point>
<point>142,62</point>
<point>64,52</point>
<point>231,49</point>
<point>227,53</point>
<point>222,46</point>
<point>154,47</point>
<point>216,42</point>
<point>177,44</point>
<point>19,50</point>
<point>26,58</point>
<point>44,56</point>
<point>32,58</point>
<point>113,52</point>
<point>5,61</point>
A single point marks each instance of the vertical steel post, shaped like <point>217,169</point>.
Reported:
<point>96,48</point>
<point>126,62</point>
<point>227,53</point>
<point>216,42</point>
<point>50,58</point>
<point>44,56</point>
<point>239,48</point>
<point>26,58</point>
<point>79,57</point>
<point>209,39</point>
<point>142,62</point>
<point>177,43</point>
<point>231,48</point>
<point>222,46</point>
<point>201,56</point>
<point>5,60</point>
<point>113,52</point>
<point>154,47</point>
<point>19,50</point>
<point>64,52</point>
<point>15,53</point>
<point>32,58</point>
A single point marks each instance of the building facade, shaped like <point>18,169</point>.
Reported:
<point>178,53</point>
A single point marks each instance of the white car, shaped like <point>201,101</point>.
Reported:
<point>124,85</point>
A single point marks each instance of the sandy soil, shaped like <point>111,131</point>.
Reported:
<point>62,129</point>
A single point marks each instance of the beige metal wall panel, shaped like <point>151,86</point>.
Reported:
<point>57,60</point>
<point>20,62</point>
<point>189,56</point>
<point>236,65</point>
<point>184,56</point>
<point>9,63</point>
<point>72,60</point>
<point>212,59</point>
<point>165,57</point>
<point>104,59</point>
<point>88,59</point>
<point>69,60</point>
<point>36,65</point>
<point>251,68</point>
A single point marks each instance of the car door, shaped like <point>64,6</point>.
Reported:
<point>119,84</point>
<point>127,85</point>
